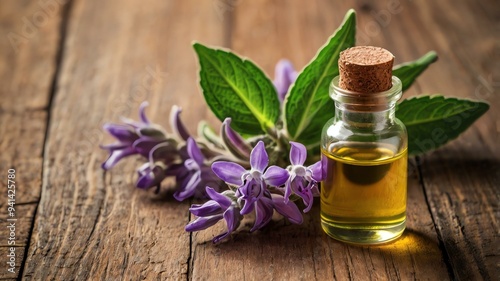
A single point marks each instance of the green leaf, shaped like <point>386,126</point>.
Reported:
<point>432,121</point>
<point>408,72</point>
<point>237,88</point>
<point>308,106</point>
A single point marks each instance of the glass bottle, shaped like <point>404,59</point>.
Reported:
<point>363,198</point>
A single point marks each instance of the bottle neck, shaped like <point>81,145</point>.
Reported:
<point>371,120</point>
<point>372,111</point>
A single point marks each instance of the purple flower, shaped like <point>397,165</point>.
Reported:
<point>193,175</point>
<point>303,181</point>
<point>150,175</point>
<point>264,209</point>
<point>133,138</point>
<point>176,124</point>
<point>284,76</point>
<point>287,209</point>
<point>234,142</point>
<point>220,206</point>
<point>265,206</point>
<point>252,184</point>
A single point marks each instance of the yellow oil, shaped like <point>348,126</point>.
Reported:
<point>363,198</point>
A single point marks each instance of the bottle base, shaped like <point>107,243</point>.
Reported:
<point>362,234</point>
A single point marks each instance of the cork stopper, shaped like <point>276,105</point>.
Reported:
<point>365,69</point>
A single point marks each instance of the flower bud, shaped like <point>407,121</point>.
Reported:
<point>234,142</point>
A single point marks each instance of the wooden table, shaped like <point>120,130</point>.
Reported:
<point>66,69</point>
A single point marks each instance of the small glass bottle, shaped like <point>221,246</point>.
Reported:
<point>363,198</point>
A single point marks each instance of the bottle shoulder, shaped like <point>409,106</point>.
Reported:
<point>338,127</point>
<point>336,131</point>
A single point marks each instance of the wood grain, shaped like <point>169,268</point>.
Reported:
<point>461,180</point>
<point>90,62</point>
<point>96,225</point>
<point>29,47</point>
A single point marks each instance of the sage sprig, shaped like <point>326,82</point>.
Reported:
<point>260,160</point>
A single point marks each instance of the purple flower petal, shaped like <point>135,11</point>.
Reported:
<point>324,166</point>
<point>288,187</point>
<point>220,237</point>
<point>263,213</point>
<point>229,172</point>
<point>284,76</point>
<point>194,151</point>
<point>191,165</point>
<point>116,155</point>
<point>121,132</point>
<point>209,208</point>
<point>258,157</point>
<point>317,171</point>
<point>298,153</point>
<point>144,146</point>
<point>176,123</point>
<point>220,198</point>
<point>248,205</point>
<point>145,182</point>
<point>233,219</point>
<point>177,170</point>
<point>149,176</point>
<point>276,176</point>
<point>234,142</point>
<point>142,112</point>
<point>203,223</point>
<point>251,191</point>
<point>188,187</point>
<point>253,188</point>
<point>287,209</point>
<point>304,192</point>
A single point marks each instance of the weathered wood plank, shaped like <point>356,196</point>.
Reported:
<point>28,61</point>
<point>96,225</point>
<point>462,179</point>
<point>29,46</point>
<point>21,146</point>
<point>304,252</point>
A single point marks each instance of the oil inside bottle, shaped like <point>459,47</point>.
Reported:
<point>363,198</point>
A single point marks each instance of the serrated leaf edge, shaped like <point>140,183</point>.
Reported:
<point>260,117</point>
<point>444,99</point>
<point>301,127</point>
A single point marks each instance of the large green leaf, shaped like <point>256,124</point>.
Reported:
<point>409,71</point>
<point>308,106</point>
<point>432,121</point>
<point>237,88</point>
